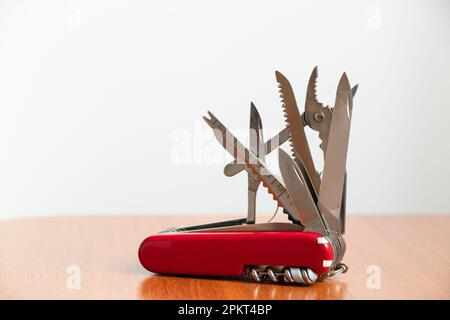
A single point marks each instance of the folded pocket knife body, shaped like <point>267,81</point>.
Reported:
<point>307,249</point>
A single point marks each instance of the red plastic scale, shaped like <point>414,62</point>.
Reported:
<point>279,251</point>
<point>229,254</point>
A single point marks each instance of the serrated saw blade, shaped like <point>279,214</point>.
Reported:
<point>299,143</point>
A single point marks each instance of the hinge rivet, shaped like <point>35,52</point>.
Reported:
<point>319,116</point>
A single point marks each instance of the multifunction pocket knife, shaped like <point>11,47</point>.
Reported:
<point>307,249</point>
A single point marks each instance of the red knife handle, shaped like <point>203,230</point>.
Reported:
<point>229,253</point>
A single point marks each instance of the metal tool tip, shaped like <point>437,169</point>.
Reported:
<point>208,120</point>
<point>344,84</point>
<point>279,76</point>
<point>355,89</point>
<point>311,89</point>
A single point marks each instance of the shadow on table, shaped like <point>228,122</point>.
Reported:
<point>168,288</point>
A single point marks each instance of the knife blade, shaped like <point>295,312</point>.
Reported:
<point>243,155</point>
<point>299,143</point>
<point>332,187</point>
<point>299,193</point>
<point>256,133</point>
<point>257,147</point>
<point>307,179</point>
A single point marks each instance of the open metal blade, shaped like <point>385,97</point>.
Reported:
<point>257,147</point>
<point>332,186</point>
<point>300,194</point>
<point>256,133</point>
<point>299,143</point>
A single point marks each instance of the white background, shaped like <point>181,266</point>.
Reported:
<point>95,95</point>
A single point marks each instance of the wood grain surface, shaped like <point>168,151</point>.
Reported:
<point>411,253</point>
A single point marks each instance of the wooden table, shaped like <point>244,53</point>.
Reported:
<point>40,257</point>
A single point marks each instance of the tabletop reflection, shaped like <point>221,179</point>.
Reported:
<point>168,287</point>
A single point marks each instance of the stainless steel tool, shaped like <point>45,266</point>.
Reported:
<point>333,181</point>
<point>253,163</point>
<point>308,249</point>
<point>318,204</point>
